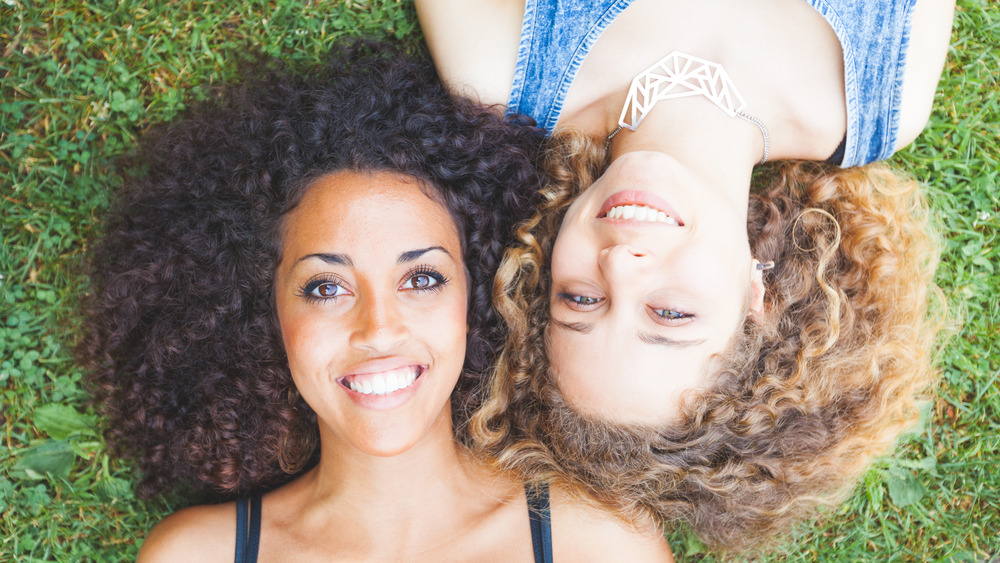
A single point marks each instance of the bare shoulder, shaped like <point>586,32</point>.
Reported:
<point>929,35</point>
<point>474,44</point>
<point>198,533</point>
<point>583,533</point>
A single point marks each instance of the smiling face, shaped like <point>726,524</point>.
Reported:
<point>651,277</point>
<point>371,296</point>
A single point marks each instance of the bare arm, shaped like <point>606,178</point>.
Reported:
<point>583,533</point>
<point>474,44</point>
<point>200,533</point>
<point>924,60</point>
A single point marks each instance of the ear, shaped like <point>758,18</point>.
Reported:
<point>757,289</point>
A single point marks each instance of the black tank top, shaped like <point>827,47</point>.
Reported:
<point>248,513</point>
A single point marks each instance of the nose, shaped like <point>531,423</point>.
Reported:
<point>622,262</point>
<point>380,326</point>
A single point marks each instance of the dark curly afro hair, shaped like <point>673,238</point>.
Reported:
<point>181,341</point>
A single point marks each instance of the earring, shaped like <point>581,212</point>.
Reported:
<point>765,265</point>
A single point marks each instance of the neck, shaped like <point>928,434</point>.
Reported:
<point>721,149</point>
<point>393,503</point>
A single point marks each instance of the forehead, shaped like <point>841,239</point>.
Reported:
<point>356,192</point>
<point>367,206</point>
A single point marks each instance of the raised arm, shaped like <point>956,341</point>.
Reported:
<point>474,44</point>
<point>928,48</point>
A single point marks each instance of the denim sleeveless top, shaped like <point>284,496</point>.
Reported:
<point>556,36</point>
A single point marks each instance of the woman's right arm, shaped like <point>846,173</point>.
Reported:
<point>925,59</point>
<point>195,534</point>
<point>474,44</point>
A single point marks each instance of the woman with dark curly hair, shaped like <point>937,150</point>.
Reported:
<point>679,344</point>
<point>292,305</point>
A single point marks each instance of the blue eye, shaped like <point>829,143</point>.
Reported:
<point>671,316</point>
<point>580,301</point>
<point>322,289</point>
<point>424,278</point>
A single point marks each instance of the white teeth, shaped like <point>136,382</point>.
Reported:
<point>391,382</point>
<point>385,382</point>
<point>640,213</point>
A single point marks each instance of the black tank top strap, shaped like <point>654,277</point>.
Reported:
<point>248,516</point>
<point>837,157</point>
<point>248,513</point>
<point>541,521</point>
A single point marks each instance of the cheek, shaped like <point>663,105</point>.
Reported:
<point>301,344</point>
<point>716,272</point>
<point>311,340</point>
<point>570,254</point>
<point>448,325</point>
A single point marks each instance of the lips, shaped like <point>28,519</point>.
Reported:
<point>639,207</point>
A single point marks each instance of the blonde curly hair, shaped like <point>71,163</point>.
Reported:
<point>809,394</point>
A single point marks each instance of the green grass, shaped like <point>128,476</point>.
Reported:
<point>80,81</point>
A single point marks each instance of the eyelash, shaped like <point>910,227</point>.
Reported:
<point>424,270</point>
<point>682,317</point>
<point>306,291</point>
<point>572,301</point>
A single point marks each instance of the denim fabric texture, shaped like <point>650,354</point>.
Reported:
<point>556,36</point>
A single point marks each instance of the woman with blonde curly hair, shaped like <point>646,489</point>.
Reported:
<point>691,348</point>
<point>806,394</point>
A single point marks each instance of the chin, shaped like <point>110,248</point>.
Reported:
<point>386,446</point>
<point>397,436</point>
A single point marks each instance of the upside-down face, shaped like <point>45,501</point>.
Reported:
<point>651,277</point>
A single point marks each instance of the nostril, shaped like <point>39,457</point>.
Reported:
<point>623,254</point>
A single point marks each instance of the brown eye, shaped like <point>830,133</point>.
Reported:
<point>424,279</point>
<point>322,289</point>
<point>326,289</point>
<point>421,281</point>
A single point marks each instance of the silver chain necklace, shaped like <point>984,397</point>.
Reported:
<point>679,75</point>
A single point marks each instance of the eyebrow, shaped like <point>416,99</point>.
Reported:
<point>645,337</point>
<point>412,255</point>
<point>340,259</point>
<point>657,340</point>
<point>345,260</point>
<point>583,328</point>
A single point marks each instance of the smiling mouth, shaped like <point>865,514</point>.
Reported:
<point>383,382</point>
<point>641,213</point>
